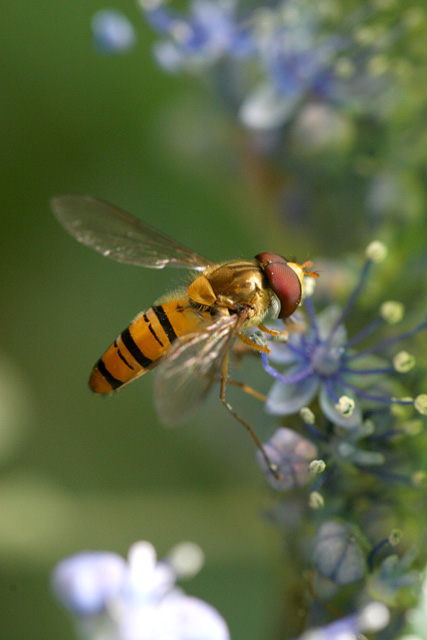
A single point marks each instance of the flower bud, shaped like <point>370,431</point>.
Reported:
<point>420,404</point>
<point>307,415</point>
<point>317,466</point>
<point>186,559</point>
<point>316,500</point>
<point>345,406</point>
<point>392,311</point>
<point>374,617</point>
<point>403,362</point>
<point>376,251</point>
<point>419,478</point>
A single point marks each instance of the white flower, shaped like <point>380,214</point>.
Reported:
<point>112,599</point>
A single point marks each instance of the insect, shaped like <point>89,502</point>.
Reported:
<point>191,331</point>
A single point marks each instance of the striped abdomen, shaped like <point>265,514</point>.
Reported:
<point>141,346</point>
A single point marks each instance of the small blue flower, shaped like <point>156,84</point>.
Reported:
<point>277,55</point>
<point>322,362</point>
<point>338,554</point>
<point>394,578</point>
<point>292,454</point>
<point>86,582</point>
<point>302,60</point>
<point>297,63</point>
<point>282,53</point>
<point>347,447</point>
<point>112,32</point>
<point>112,598</point>
<point>210,32</point>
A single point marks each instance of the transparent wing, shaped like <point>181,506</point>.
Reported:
<point>120,236</point>
<point>191,367</point>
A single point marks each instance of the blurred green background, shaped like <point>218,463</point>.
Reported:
<point>83,472</point>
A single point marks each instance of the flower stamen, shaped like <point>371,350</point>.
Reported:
<point>375,398</point>
<point>298,377</point>
<point>388,343</point>
<point>352,298</point>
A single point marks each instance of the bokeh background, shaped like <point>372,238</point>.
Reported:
<point>81,472</point>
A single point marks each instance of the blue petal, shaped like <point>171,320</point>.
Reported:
<point>291,453</point>
<point>326,320</point>
<point>280,353</point>
<point>86,582</point>
<point>175,617</point>
<point>163,19</point>
<point>169,56</point>
<point>220,31</point>
<point>284,399</point>
<point>112,32</point>
<point>193,619</point>
<point>337,554</point>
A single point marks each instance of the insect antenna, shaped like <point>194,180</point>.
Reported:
<point>307,265</point>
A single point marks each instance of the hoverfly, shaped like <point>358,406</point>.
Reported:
<point>189,332</point>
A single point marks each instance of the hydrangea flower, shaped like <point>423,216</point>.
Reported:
<point>322,361</point>
<point>303,59</point>
<point>112,599</point>
<point>282,54</point>
<point>296,63</point>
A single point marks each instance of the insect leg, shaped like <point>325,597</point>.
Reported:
<point>282,334</point>
<point>271,332</point>
<point>244,338</point>
<point>224,369</point>
<point>247,389</point>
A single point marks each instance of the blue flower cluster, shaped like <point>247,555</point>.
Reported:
<point>282,54</point>
<point>322,362</point>
<point>211,32</point>
<point>355,424</point>
<point>352,390</point>
<point>136,599</point>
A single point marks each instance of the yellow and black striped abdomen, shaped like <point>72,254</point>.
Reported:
<point>141,346</point>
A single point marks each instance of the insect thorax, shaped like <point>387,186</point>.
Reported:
<point>231,286</point>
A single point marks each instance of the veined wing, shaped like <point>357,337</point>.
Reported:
<point>190,369</point>
<point>120,236</point>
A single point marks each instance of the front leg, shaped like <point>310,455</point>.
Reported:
<point>283,335</point>
<point>251,343</point>
<point>224,372</point>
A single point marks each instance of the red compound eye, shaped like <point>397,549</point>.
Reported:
<point>283,280</point>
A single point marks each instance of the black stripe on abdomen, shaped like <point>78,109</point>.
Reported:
<point>164,321</point>
<point>134,350</point>
<point>112,381</point>
<point>121,356</point>
<point>154,334</point>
